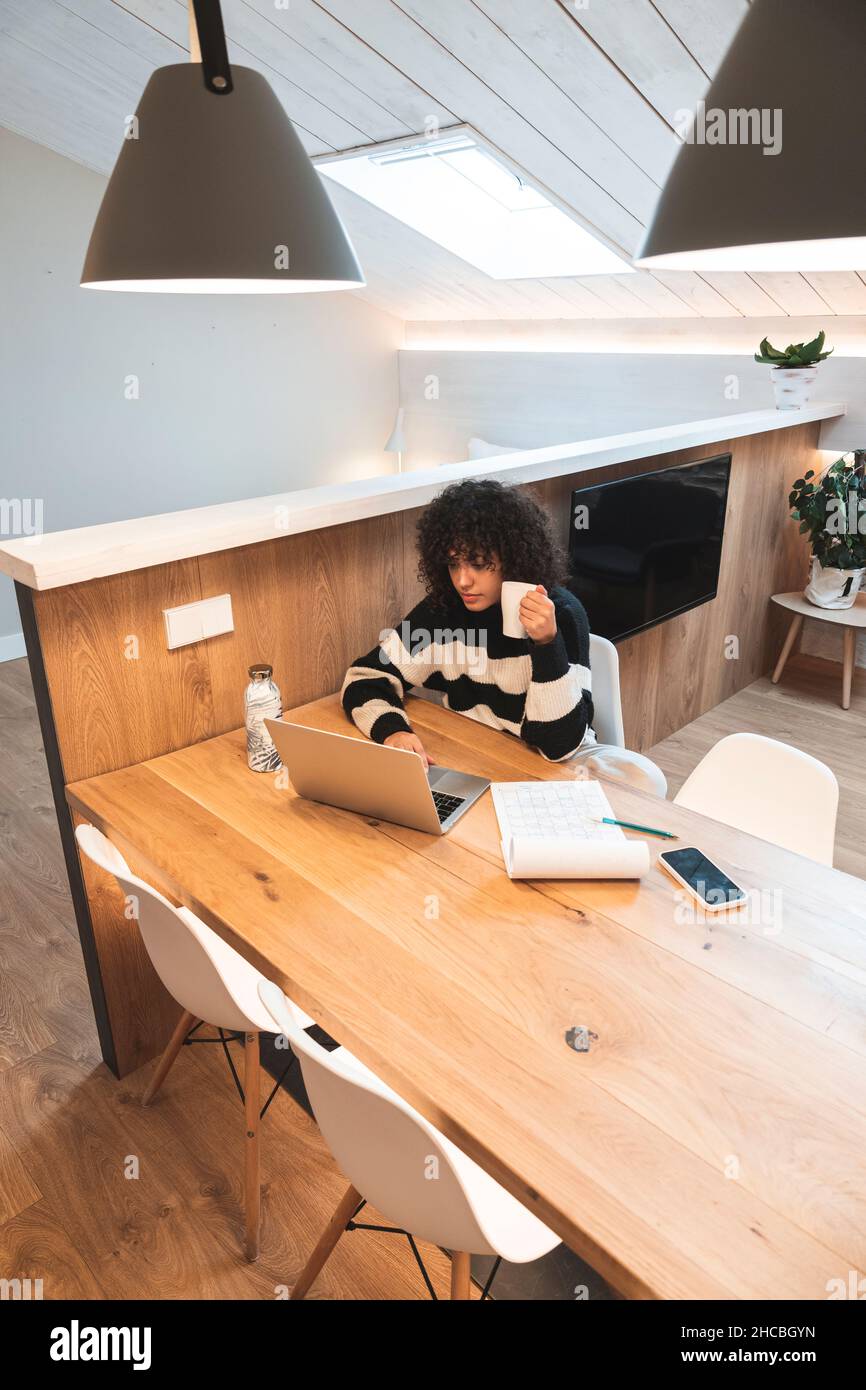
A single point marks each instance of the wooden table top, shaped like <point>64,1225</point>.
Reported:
<point>855,616</point>
<point>709,1145</point>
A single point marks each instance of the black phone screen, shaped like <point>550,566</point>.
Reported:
<point>705,877</point>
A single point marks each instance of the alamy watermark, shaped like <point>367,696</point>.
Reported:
<point>739,126</point>
<point>441,644</point>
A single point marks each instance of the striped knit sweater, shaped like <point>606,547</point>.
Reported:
<point>538,692</point>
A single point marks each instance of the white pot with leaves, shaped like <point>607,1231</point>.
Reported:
<point>831,510</point>
<point>793,371</point>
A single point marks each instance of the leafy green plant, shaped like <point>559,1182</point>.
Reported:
<point>795,354</point>
<point>831,510</point>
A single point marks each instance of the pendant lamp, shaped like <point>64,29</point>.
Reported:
<point>771,177</point>
<point>213,192</point>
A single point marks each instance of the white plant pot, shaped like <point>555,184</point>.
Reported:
<point>827,587</point>
<point>793,386</point>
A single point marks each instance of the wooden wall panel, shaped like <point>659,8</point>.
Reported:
<point>311,603</point>
<point>118,695</point>
<point>308,604</point>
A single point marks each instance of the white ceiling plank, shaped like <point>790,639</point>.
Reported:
<point>397,37</point>
<point>584,304</point>
<point>120,22</point>
<point>466,32</point>
<point>635,36</point>
<point>746,295</point>
<point>626,304</point>
<point>541,299</point>
<point>843,290</point>
<point>80,121</point>
<point>792,292</point>
<point>64,38</point>
<point>335,44</point>
<point>705,27</point>
<point>697,292</point>
<point>365,119</point>
<point>661,298</point>
<point>562,50</point>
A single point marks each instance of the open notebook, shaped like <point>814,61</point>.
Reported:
<point>552,830</point>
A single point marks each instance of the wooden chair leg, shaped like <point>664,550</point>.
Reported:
<point>849,640</point>
<point>336,1226</point>
<point>184,1024</point>
<point>252,1173</point>
<point>793,634</point>
<point>459,1274</point>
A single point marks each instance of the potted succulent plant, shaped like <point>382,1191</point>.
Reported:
<point>794,370</point>
<point>831,510</point>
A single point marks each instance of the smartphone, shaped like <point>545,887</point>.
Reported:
<point>703,879</point>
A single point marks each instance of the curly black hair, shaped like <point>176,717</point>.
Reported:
<point>478,520</point>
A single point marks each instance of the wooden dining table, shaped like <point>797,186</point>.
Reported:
<point>709,1144</point>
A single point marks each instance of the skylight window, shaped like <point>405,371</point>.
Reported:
<point>458,192</point>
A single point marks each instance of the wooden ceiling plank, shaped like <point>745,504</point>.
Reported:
<point>118,20</point>
<point>642,45</point>
<point>397,37</point>
<point>699,293</point>
<point>705,27</point>
<point>486,51</point>
<point>626,304</point>
<point>272,44</point>
<point>64,38</point>
<point>587,304</point>
<point>567,55</point>
<point>335,44</point>
<point>842,290</point>
<point>80,122</point>
<point>661,298</point>
<point>794,293</point>
<point>741,290</point>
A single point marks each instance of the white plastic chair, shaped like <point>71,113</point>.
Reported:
<point>397,1161</point>
<point>606,698</point>
<point>212,983</point>
<point>769,789</point>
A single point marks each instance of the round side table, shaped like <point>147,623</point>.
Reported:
<point>849,619</point>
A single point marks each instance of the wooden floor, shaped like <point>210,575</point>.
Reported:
<point>803,709</point>
<point>70,1133</point>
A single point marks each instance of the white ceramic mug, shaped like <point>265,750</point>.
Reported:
<point>512,596</point>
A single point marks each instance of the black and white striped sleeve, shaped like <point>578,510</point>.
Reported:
<point>375,685</point>
<point>559,700</point>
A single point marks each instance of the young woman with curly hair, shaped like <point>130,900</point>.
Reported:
<point>471,538</point>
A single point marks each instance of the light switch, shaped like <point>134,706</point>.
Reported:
<point>194,622</point>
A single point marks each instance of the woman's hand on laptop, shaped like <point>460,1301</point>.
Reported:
<point>411,742</point>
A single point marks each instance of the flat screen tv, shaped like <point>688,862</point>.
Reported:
<point>643,549</point>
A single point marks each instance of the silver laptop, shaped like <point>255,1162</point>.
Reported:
<point>359,775</point>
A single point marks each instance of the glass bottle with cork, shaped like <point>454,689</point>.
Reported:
<point>261,701</point>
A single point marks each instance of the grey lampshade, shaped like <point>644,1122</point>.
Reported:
<point>730,206</point>
<point>216,194</point>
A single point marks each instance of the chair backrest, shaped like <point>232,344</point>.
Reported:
<point>606,698</point>
<point>769,789</point>
<point>197,967</point>
<point>389,1152</point>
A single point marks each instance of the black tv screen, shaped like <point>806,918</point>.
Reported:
<point>643,549</point>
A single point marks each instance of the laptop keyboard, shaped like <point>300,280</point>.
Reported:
<point>445,805</point>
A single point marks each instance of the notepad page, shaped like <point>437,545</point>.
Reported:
<point>553,810</point>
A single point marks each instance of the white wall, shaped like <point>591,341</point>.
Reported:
<point>537,398</point>
<point>239,396</point>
